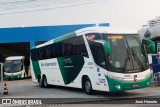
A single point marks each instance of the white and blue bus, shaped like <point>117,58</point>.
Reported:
<point>16,67</point>
<point>94,58</point>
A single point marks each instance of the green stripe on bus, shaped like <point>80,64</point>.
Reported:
<point>70,67</point>
<point>15,76</point>
<point>113,84</point>
<point>36,68</point>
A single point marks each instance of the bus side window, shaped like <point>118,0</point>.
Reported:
<point>67,47</point>
<point>58,49</point>
<point>98,54</point>
<point>50,51</point>
<point>42,53</point>
<point>93,36</point>
<point>79,47</point>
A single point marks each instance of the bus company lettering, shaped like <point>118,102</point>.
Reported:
<point>46,64</point>
<point>68,60</point>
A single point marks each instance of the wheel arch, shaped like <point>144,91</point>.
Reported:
<point>43,76</point>
<point>84,78</point>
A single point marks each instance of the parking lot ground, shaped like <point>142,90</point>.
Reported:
<point>25,88</point>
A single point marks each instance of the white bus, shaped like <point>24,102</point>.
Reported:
<point>16,67</point>
<point>94,58</point>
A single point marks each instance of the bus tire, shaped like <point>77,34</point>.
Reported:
<point>88,87</point>
<point>41,83</point>
<point>45,82</point>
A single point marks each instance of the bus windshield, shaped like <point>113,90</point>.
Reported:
<point>13,66</point>
<point>127,54</point>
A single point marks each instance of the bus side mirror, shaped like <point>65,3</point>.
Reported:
<point>20,64</point>
<point>149,46</point>
<point>105,45</point>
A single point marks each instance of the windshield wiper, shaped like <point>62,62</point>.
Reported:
<point>138,60</point>
<point>126,61</point>
<point>125,64</point>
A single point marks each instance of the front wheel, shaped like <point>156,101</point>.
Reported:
<point>88,87</point>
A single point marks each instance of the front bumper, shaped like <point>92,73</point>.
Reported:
<point>116,85</point>
<point>13,76</point>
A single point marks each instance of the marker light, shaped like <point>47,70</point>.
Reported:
<point>115,37</point>
<point>148,74</point>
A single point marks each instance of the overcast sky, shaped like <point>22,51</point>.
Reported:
<point>123,13</point>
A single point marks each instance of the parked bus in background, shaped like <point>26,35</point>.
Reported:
<point>94,58</point>
<point>16,67</point>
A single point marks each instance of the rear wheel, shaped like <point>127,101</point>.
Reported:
<point>88,87</point>
<point>41,83</point>
<point>45,82</point>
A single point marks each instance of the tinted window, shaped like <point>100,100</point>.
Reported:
<point>42,53</point>
<point>79,47</point>
<point>68,47</point>
<point>74,46</point>
<point>58,49</point>
<point>98,54</point>
<point>50,51</point>
<point>93,36</point>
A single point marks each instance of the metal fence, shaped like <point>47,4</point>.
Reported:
<point>155,65</point>
<point>156,77</point>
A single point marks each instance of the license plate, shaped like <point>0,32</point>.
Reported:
<point>135,85</point>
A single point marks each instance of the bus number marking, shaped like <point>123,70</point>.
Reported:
<point>127,76</point>
<point>90,63</point>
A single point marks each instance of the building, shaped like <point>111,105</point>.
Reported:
<point>19,40</point>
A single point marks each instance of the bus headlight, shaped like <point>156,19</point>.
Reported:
<point>118,87</point>
<point>148,74</point>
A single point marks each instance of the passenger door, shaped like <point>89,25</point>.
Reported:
<point>100,65</point>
